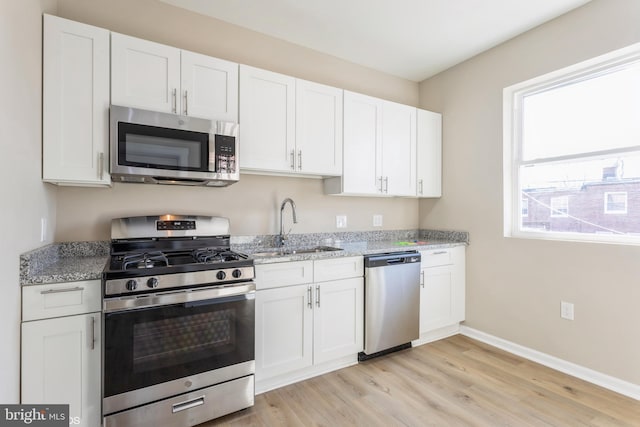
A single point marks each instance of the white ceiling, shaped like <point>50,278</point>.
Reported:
<point>413,39</point>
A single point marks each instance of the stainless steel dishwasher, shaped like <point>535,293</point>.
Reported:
<point>392,302</point>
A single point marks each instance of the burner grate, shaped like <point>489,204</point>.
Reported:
<point>212,255</point>
<point>145,260</point>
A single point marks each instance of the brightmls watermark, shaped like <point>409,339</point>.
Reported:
<point>34,415</point>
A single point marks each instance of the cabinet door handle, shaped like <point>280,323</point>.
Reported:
<point>386,184</point>
<point>186,103</point>
<point>318,295</point>
<point>420,186</point>
<point>175,100</point>
<point>293,159</point>
<point>380,179</point>
<point>309,296</point>
<point>422,278</point>
<point>101,165</point>
<point>59,291</point>
<point>299,159</point>
<point>93,333</point>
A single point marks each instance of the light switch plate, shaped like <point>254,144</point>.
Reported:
<point>566,310</point>
<point>377,220</point>
<point>341,221</point>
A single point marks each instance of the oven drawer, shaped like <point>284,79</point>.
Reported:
<point>60,299</point>
<point>191,408</point>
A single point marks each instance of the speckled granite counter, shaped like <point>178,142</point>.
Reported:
<point>351,243</point>
<point>64,262</point>
<point>75,261</point>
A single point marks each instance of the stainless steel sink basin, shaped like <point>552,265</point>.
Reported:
<point>284,252</point>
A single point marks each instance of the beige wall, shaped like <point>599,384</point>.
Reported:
<point>24,198</point>
<point>514,286</point>
<point>84,213</point>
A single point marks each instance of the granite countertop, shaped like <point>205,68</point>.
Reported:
<point>77,261</point>
<point>64,262</point>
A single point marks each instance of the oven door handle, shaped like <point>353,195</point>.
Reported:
<point>132,302</point>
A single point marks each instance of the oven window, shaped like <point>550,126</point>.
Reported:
<point>162,148</point>
<point>154,345</point>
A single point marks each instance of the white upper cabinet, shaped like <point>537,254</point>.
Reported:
<point>289,126</point>
<point>318,129</point>
<point>209,87</point>
<point>379,148</point>
<point>429,154</point>
<point>398,149</point>
<point>157,77</point>
<point>267,120</point>
<point>75,103</point>
<point>144,74</point>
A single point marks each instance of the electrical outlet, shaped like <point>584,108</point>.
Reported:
<point>341,221</point>
<point>566,310</point>
<point>43,229</point>
<point>377,220</point>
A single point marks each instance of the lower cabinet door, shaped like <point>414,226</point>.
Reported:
<point>284,330</point>
<point>61,365</point>
<point>338,319</point>
<point>441,297</point>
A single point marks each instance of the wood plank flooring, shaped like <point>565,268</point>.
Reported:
<point>453,382</point>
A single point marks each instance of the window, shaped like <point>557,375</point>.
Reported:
<point>559,206</point>
<point>574,136</point>
<point>615,203</point>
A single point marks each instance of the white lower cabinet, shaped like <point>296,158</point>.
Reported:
<point>61,355</point>
<point>304,329</point>
<point>442,293</point>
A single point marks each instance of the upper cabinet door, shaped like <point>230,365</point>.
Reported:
<point>75,103</point>
<point>362,144</point>
<point>145,74</point>
<point>318,129</point>
<point>267,120</point>
<point>429,154</point>
<point>399,149</point>
<point>209,87</point>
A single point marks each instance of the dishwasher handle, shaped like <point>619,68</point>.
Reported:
<point>392,258</point>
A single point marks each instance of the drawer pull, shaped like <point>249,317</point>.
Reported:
<point>183,406</point>
<point>439,253</point>
<point>59,291</point>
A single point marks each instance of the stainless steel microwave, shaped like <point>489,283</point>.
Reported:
<point>163,148</point>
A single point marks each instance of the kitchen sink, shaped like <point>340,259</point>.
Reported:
<point>283,252</point>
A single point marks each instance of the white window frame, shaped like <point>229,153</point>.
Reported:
<point>555,210</point>
<point>512,136</point>
<point>615,211</point>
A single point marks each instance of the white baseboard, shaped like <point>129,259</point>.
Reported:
<point>436,335</point>
<point>612,383</point>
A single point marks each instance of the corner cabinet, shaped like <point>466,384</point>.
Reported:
<point>309,321</point>
<point>157,77</point>
<point>289,126</point>
<point>75,103</point>
<point>429,149</point>
<point>61,341</point>
<point>442,293</point>
<point>379,148</point>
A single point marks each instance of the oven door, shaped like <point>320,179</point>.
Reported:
<point>164,344</point>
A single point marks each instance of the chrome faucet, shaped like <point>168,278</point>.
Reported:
<point>282,236</point>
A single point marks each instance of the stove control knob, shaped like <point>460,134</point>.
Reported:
<point>221,275</point>
<point>237,273</point>
<point>152,283</point>
<point>131,285</point>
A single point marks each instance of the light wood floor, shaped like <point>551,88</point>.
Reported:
<point>453,382</point>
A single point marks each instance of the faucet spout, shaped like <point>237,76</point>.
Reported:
<point>282,236</point>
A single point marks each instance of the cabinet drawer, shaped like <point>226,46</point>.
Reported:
<point>283,274</point>
<point>60,299</point>
<point>338,268</point>
<point>436,257</point>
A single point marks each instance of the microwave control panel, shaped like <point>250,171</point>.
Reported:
<point>225,152</point>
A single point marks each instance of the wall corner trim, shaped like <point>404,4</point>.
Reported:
<point>612,383</point>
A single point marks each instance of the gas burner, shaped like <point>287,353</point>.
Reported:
<point>145,260</point>
<point>211,255</point>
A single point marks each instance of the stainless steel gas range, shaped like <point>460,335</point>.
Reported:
<point>179,314</point>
